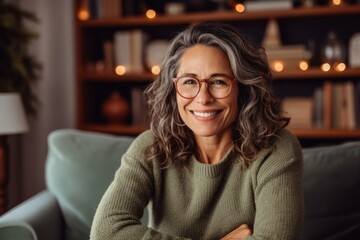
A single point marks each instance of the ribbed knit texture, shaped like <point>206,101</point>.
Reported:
<point>205,201</point>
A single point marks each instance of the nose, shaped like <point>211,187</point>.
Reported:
<point>204,95</point>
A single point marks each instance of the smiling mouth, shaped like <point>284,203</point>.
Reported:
<point>205,114</point>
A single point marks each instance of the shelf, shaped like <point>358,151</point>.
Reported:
<point>326,133</point>
<point>114,129</point>
<point>297,24</point>
<point>222,16</point>
<point>296,74</point>
<point>311,133</point>
<point>317,73</point>
<point>111,76</point>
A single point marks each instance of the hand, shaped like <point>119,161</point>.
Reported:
<point>239,233</point>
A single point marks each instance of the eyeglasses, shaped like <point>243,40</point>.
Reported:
<point>219,86</point>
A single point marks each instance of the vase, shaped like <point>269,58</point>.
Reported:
<point>115,108</point>
<point>333,50</point>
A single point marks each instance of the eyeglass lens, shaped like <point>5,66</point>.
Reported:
<point>189,87</point>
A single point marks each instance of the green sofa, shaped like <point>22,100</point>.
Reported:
<point>80,165</point>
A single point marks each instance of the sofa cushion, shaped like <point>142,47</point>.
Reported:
<point>331,188</point>
<point>80,166</point>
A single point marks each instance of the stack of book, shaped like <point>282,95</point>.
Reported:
<point>289,55</point>
<point>259,5</point>
<point>129,50</point>
<point>300,109</point>
<point>102,8</point>
<point>334,105</point>
<point>139,108</point>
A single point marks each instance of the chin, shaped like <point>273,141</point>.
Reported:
<point>205,133</point>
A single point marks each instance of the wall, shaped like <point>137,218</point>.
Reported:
<point>56,91</point>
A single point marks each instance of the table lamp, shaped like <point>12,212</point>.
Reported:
<point>12,121</point>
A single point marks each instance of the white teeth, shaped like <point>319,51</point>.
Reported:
<point>204,114</point>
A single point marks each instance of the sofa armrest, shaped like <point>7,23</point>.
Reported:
<point>38,218</point>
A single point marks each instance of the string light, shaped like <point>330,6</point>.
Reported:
<point>278,66</point>
<point>83,14</point>
<point>336,2</point>
<point>120,70</point>
<point>150,14</point>
<point>155,70</point>
<point>340,67</point>
<point>304,65</point>
<point>325,67</point>
<point>239,7</point>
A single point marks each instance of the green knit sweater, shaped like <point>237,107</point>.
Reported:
<point>205,201</point>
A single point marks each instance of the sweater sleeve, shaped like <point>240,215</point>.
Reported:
<point>279,192</point>
<point>121,208</point>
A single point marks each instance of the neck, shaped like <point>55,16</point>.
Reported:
<point>212,151</point>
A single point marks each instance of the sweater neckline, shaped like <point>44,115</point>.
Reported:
<point>212,170</point>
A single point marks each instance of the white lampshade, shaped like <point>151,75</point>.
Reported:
<point>12,114</point>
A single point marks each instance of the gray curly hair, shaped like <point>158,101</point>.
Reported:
<point>259,117</point>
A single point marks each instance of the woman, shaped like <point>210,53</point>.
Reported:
<point>217,162</point>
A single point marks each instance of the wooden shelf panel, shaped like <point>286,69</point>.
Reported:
<point>317,73</point>
<point>300,133</point>
<point>111,76</point>
<point>147,76</point>
<point>327,133</point>
<point>113,129</point>
<point>222,16</point>
<point>88,79</point>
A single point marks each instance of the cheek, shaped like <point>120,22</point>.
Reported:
<point>233,107</point>
<point>233,110</point>
<point>181,103</point>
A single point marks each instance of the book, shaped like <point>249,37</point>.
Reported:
<point>139,107</point>
<point>300,110</point>
<point>108,49</point>
<point>267,5</point>
<point>357,103</point>
<point>105,8</point>
<point>122,51</point>
<point>94,8</point>
<point>287,52</point>
<point>349,97</point>
<point>328,104</point>
<point>318,108</point>
<point>138,39</point>
<point>338,111</point>
<point>129,50</point>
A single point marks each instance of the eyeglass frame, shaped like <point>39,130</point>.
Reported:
<point>205,80</point>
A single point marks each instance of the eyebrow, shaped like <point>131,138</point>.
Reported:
<point>211,76</point>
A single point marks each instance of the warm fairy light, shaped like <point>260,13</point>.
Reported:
<point>150,14</point>
<point>340,67</point>
<point>303,65</point>
<point>336,2</point>
<point>278,66</point>
<point>83,14</point>
<point>120,70</point>
<point>155,70</point>
<point>325,67</point>
<point>240,8</point>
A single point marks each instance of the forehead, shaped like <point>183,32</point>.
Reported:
<point>202,51</point>
<point>203,58</point>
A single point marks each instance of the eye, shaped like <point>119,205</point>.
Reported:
<point>219,82</point>
<point>188,81</point>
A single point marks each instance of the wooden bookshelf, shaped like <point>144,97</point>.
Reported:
<point>315,133</point>
<point>222,16</point>
<point>297,24</point>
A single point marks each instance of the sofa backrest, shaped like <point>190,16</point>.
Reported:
<point>76,159</point>
<point>331,189</point>
<point>74,163</point>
